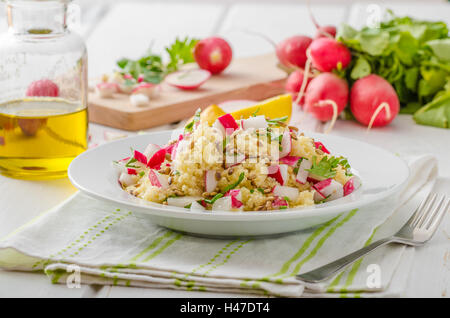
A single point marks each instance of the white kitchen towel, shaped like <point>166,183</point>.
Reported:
<point>107,245</point>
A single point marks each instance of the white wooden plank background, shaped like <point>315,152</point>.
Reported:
<point>127,29</point>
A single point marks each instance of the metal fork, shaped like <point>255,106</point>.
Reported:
<point>418,230</point>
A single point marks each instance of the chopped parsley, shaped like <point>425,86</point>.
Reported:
<point>141,174</point>
<point>283,207</point>
<point>260,190</point>
<point>188,206</point>
<point>256,111</point>
<point>214,198</point>
<point>190,126</point>
<point>327,165</point>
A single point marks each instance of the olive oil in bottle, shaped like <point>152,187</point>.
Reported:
<point>40,136</point>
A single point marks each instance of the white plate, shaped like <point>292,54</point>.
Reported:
<point>383,175</point>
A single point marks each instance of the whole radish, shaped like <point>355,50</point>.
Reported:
<point>43,88</point>
<point>327,54</point>
<point>373,101</point>
<point>213,54</point>
<point>294,83</point>
<point>326,31</point>
<point>292,51</point>
<point>326,97</point>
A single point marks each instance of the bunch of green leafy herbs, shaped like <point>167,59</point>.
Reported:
<point>151,67</point>
<point>412,55</point>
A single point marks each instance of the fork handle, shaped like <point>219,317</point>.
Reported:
<point>324,272</point>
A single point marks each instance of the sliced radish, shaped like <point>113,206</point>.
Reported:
<point>226,124</point>
<point>281,174</point>
<point>150,150</point>
<point>157,159</point>
<point>235,203</point>
<point>188,80</point>
<point>106,90</point>
<point>126,179</point>
<point>237,193</point>
<point>279,202</point>
<point>132,171</point>
<point>224,203</point>
<point>286,144</point>
<point>321,146</point>
<point>157,179</point>
<point>329,189</point>
<point>233,159</point>
<point>290,160</point>
<point>139,156</point>
<point>181,201</point>
<point>258,122</point>
<point>195,206</point>
<point>351,185</point>
<point>302,174</point>
<point>283,191</point>
<point>210,180</point>
<point>146,89</point>
<point>272,169</point>
<point>318,196</point>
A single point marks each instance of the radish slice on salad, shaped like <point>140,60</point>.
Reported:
<point>235,203</point>
<point>132,171</point>
<point>139,156</point>
<point>150,150</point>
<point>182,201</point>
<point>226,124</point>
<point>190,79</point>
<point>224,203</point>
<point>328,189</point>
<point>279,202</point>
<point>281,174</point>
<point>210,180</point>
<point>286,144</point>
<point>157,159</point>
<point>237,193</point>
<point>285,192</point>
<point>351,185</point>
<point>258,122</point>
<point>126,179</point>
<point>233,159</point>
<point>157,179</point>
<point>195,206</point>
<point>321,146</point>
<point>119,166</point>
<point>290,160</point>
<point>302,174</point>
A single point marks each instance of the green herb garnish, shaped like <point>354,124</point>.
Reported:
<point>190,126</point>
<point>326,167</point>
<point>260,190</point>
<point>234,185</point>
<point>188,206</point>
<point>255,112</point>
<point>214,198</point>
<point>283,207</point>
<point>141,174</point>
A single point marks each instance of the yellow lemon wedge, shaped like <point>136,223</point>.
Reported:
<point>211,113</point>
<point>275,107</point>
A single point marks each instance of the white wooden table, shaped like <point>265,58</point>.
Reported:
<point>126,29</point>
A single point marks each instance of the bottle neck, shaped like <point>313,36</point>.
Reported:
<point>41,18</point>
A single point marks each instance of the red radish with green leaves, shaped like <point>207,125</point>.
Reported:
<point>291,52</point>
<point>213,54</point>
<point>188,80</point>
<point>294,83</point>
<point>326,97</point>
<point>373,101</point>
<point>328,54</point>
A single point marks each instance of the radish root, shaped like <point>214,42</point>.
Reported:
<point>305,77</point>
<point>314,21</point>
<point>332,103</point>
<point>382,106</point>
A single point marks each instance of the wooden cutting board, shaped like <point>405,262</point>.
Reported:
<point>254,78</point>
